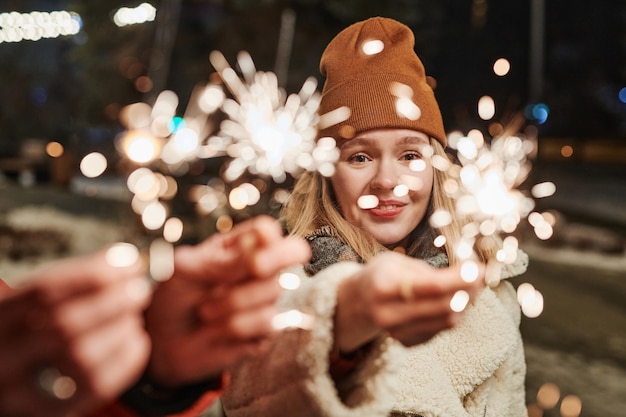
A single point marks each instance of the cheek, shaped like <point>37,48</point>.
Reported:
<point>421,197</point>
<point>421,184</point>
<point>347,192</point>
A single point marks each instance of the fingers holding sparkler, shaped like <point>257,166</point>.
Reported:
<point>255,248</point>
<point>222,294</point>
<point>405,298</point>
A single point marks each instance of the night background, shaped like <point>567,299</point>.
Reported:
<point>567,78</point>
<point>69,89</point>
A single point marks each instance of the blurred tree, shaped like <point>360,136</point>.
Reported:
<point>35,101</point>
<point>111,61</point>
<point>59,87</point>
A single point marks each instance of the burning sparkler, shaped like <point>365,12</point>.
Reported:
<point>266,133</point>
<point>485,189</point>
<point>484,186</point>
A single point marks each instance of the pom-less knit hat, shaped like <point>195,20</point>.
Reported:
<point>371,68</point>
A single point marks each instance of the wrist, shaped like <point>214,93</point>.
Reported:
<point>353,327</point>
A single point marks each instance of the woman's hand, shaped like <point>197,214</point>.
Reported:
<point>218,307</point>
<point>403,297</point>
<point>72,338</point>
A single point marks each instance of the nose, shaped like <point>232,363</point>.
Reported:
<point>386,176</point>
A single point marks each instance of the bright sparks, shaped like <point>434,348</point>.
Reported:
<point>267,132</point>
<point>485,185</point>
<point>484,188</point>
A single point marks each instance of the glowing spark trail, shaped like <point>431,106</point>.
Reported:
<point>267,133</point>
<point>488,202</point>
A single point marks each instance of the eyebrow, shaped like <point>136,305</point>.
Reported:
<point>410,140</point>
<point>415,140</point>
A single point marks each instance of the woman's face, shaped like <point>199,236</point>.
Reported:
<point>373,173</point>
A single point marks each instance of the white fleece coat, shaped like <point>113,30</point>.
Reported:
<point>475,369</point>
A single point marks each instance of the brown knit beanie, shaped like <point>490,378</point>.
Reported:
<point>371,68</point>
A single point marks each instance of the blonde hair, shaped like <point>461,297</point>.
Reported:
<point>312,205</point>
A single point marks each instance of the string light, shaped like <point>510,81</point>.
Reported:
<point>143,13</point>
<point>33,26</point>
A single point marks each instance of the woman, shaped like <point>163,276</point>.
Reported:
<point>386,340</point>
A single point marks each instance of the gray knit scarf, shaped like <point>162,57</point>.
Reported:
<point>327,249</point>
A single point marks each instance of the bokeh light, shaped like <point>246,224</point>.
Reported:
<point>154,215</point>
<point>486,107</point>
<point>122,255</point>
<point>373,47</point>
<point>366,202</point>
<point>571,406</point>
<point>17,27</point>
<point>93,165</point>
<point>469,271</point>
<point>530,300</point>
<point>143,13</point>
<point>501,67</point>
<point>401,190</point>
<point>161,260</point>
<point>293,319</point>
<point>544,189</point>
<point>548,396</point>
<point>440,241</point>
<point>459,301</point>
<point>144,84</point>
<point>567,151</point>
<point>139,146</point>
<point>538,112</point>
<point>54,149</point>
<point>173,229</point>
<point>440,218</point>
<point>224,223</point>
<point>61,386</point>
<point>289,281</point>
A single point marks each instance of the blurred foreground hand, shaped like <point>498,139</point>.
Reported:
<point>218,307</point>
<point>72,335</point>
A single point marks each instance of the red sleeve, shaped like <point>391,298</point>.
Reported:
<point>341,365</point>
<point>118,410</point>
<point>4,287</point>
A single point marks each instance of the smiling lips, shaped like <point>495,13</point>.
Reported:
<point>387,208</point>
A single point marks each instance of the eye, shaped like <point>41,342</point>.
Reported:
<point>358,158</point>
<point>411,156</point>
